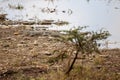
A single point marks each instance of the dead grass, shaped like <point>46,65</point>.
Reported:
<point>29,61</point>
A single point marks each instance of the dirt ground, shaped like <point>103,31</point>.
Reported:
<point>21,54</point>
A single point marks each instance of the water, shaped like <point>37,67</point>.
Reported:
<point>97,13</point>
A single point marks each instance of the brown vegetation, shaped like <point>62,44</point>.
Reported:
<point>30,58</point>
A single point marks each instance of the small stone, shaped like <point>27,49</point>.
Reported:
<point>7,45</point>
<point>16,33</point>
<point>19,45</point>
<point>35,43</point>
<point>104,56</point>
<point>47,53</point>
<point>22,42</point>
<point>22,45</point>
<point>26,38</point>
<point>8,38</point>
<point>99,67</point>
<point>5,27</point>
<point>118,73</point>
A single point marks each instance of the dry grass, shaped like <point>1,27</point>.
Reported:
<point>30,61</point>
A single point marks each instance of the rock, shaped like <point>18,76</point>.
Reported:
<point>50,38</point>
<point>5,27</point>
<point>47,53</point>
<point>104,56</point>
<point>22,45</point>
<point>118,73</point>
<point>28,27</point>
<point>35,43</point>
<point>16,33</point>
<point>8,38</point>
<point>26,38</point>
<point>19,45</point>
<point>33,53</point>
<point>6,45</point>
<point>99,67</point>
<point>22,42</point>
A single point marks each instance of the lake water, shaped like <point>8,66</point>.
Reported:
<point>96,14</point>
